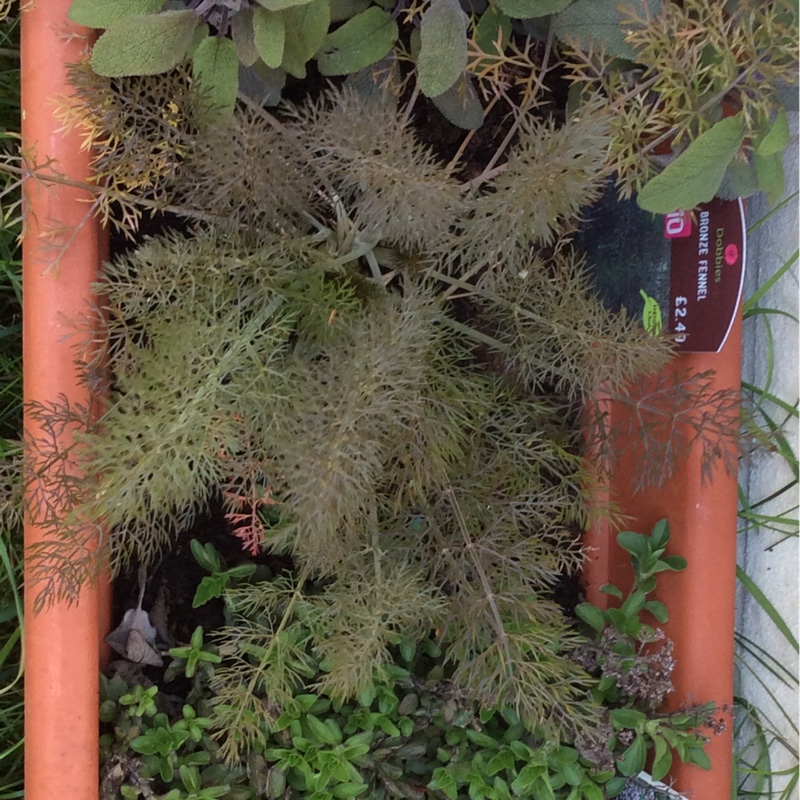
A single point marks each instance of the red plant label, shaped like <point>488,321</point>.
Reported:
<point>706,275</point>
<point>677,225</point>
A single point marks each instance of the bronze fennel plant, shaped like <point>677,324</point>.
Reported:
<point>297,349</point>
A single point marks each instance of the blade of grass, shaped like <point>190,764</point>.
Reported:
<point>766,660</point>
<point>762,769</point>
<point>767,607</point>
<point>791,722</point>
<point>792,410</point>
<point>752,301</point>
<point>785,202</point>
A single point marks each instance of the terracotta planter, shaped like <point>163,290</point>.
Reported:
<point>62,643</point>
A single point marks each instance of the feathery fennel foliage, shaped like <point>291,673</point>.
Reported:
<point>689,58</point>
<point>534,308</point>
<point>299,351</point>
<point>396,188</point>
<point>551,174</point>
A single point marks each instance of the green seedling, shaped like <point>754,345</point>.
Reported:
<point>661,735</point>
<point>192,787</point>
<point>620,635</point>
<point>648,559</point>
<point>159,745</point>
<point>214,585</point>
<point>195,654</point>
<point>140,701</point>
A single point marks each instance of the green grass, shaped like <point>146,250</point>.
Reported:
<point>11,718</point>
<point>11,619</point>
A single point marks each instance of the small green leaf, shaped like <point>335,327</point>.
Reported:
<point>206,555</point>
<point>627,718</point>
<point>502,761</point>
<point>615,785</point>
<point>776,139</point>
<point>443,47</point>
<point>144,44</point>
<point>648,584</point>
<point>460,104</point>
<point>698,757</point>
<point>527,9</point>
<point>660,534</point>
<point>361,41</point>
<point>770,175</point>
<point>636,544</point>
<point>591,791</point>
<point>493,27</point>
<point>571,773</point>
<point>345,9</point>
<point>600,21</point>
<point>633,759</point>
<point>190,778</point>
<point>696,174</point>
<point>609,588</point>
<point>239,572</point>
<point>674,563</point>
<point>210,587</point>
<point>366,697</point>
<point>658,610</point>
<point>408,648</point>
<point>306,28</point>
<point>528,777</point>
<point>320,730</point>
<point>103,13</point>
<point>662,758</point>
<point>482,739</point>
<point>445,782</point>
<point>243,37</point>
<point>216,68</point>
<point>276,784</point>
<point>633,603</point>
<point>344,791</point>
<point>591,615</point>
<point>544,789</point>
<point>617,619</point>
<point>269,36</point>
<point>521,750</point>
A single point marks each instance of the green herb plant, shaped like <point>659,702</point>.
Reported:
<point>633,673</point>
<point>214,585</point>
<point>195,654</point>
<point>664,71</point>
<point>350,336</point>
<point>413,733</point>
<point>146,753</point>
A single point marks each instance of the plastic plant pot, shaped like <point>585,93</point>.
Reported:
<point>64,643</point>
<point>62,249</point>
